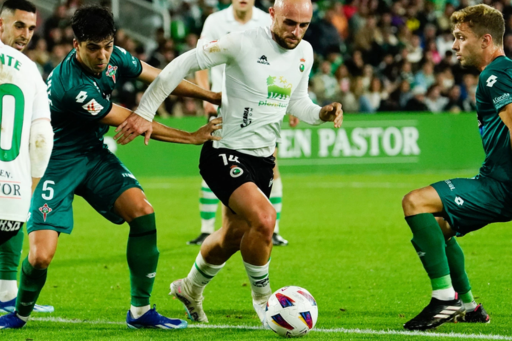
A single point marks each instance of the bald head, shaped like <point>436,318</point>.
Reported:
<point>290,20</point>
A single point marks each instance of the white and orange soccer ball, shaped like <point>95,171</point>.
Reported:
<point>291,312</point>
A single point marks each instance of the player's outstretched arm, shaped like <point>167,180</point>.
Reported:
<point>161,132</point>
<point>184,89</point>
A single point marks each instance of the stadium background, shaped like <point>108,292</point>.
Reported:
<point>409,122</point>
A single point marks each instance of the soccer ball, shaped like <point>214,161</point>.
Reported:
<point>291,312</point>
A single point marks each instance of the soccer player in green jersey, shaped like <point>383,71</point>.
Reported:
<point>17,26</point>
<point>439,213</point>
<point>79,91</point>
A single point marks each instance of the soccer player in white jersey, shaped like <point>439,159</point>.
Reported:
<point>267,72</point>
<point>240,16</point>
<point>17,26</point>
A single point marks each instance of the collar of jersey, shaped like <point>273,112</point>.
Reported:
<point>231,17</point>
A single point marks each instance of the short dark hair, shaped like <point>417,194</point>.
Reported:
<point>94,23</point>
<point>22,5</point>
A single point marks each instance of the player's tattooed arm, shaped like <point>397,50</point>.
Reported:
<point>506,117</point>
<point>184,89</point>
<point>160,132</point>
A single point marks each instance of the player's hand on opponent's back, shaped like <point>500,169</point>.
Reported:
<point>332,113</point>
<point>293,121</point>
<point>132,127</point>
<point>204,133</point>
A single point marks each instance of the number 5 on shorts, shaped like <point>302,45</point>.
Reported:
<point>49,189</point>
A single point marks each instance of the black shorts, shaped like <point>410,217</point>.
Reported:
<point>224,170</point>
<point>9,229</point>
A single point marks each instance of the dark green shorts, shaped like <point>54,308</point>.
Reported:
<point>470,204</point>
<point>99,177</point>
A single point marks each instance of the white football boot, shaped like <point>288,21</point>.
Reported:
<point>193,305</point>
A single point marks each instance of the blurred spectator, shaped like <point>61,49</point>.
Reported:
<point>415,51</point>
<point>355,65</point>
<point>371,99</point>
<point>425,77</point>
<point>324,83</point>
<point>417,102</point>
<point>434,101</point>
<point>455,103</point>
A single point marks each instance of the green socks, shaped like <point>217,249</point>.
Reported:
<point>457,267</point>
<point>428,240</point>
<point>10,254</point>
<point>31,283</point>
<point>142,254</point>
<point>208,204</point>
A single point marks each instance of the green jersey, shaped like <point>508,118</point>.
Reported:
<point>79,100</point>
<point>494,92</point>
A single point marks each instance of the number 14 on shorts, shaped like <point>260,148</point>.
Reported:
<point>231,158</point>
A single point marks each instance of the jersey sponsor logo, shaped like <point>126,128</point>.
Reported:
<point>246,118</point>
<point>5,174</point>
<point>93,107</point>
<point>212,47</point>
<point>263,60</point>
<point>9,226</point>
<point>491,80</point>
<point>111,72</point>
<point>278,90</point>
<point>505,98</point>
<point>459,201</point>
<point>235,171</point>
<point>10,190</point>
<point>45,210</point>
<point>450,185</point>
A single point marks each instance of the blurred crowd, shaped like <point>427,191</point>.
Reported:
<point>370,55</point>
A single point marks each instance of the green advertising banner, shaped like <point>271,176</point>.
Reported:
<point>365,143</point>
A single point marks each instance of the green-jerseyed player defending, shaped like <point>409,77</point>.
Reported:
<point>438,213</point>
<point>79,91</point>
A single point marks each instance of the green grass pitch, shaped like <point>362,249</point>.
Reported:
<point>349,245</point>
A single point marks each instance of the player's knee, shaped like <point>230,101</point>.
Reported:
<point>41,259</point>
<point>265,223</point>
<point>140,210</point>
<point>411,203</point>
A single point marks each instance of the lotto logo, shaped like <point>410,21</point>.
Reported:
<point>459,201</point>
<point>491,80</point>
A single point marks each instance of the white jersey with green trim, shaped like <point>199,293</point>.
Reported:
<point>223,22</point>
<point>23,99</point>
<point>262,80</point>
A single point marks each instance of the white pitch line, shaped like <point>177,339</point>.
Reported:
<point>316,330</point>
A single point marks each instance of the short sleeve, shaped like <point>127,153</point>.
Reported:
<point>41,105</point>
<point>498,84</point>
<point>129,66</point>
<point>85,102</point>
<point>217,52</point>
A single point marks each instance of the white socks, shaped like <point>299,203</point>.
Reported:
<point>444,294</point>
<point>201,274</point>
<point>8,290</point>
<point>138,311</point>
<point>260,283</point>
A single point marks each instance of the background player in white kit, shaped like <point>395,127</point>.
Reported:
<point>267,72</point>
<point>240,16</point>
<point>18,23</point>
<point>26,139</point>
